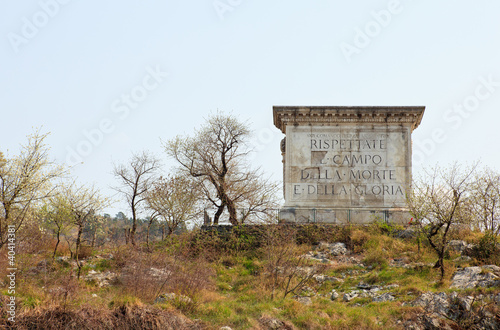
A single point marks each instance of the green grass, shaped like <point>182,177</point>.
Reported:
<point>238,295</point>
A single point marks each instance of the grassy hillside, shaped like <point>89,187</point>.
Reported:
<point>268,277</point>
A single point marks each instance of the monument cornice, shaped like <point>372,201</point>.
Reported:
<point>331,115</point>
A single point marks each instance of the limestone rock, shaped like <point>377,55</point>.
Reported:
<point>303,300</point>
<point>101,279</point>
<point>317,256</point>
<point>321,278</point>
<point>399,262</point>
<point>159,273</point>
<point>364,286</point>
<point>457,245</point>
<point>434,302</point>
<point>383,297</point>
<point>462,247</point>
<point>432,322</point>
<point>334,249</point>
<point>463,258</point>
<point>272,323</point>
<point>334,295</point>
<point>63,259</point>
<point>338,249</point>
<point>172,297</point>
<point>492,268</point>
<point>442,306</point>
<point>471,277</point>
<point>465,303</point>
<point>350,296</point>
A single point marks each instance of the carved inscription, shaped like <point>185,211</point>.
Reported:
<point>337,142</point>
<point>350,167</point>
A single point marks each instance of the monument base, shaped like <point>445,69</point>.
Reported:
<point>343,216</point>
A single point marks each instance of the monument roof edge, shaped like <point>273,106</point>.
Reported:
<point>347,107</point>
<point>283,115</point>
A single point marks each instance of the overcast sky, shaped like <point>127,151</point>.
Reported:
<point>109,78</point>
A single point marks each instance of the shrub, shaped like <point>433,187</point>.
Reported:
<point>487,249</point>
<point>376,258</point>
<point>84,252</point>
<point>358,240</point>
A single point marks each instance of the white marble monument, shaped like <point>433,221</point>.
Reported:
<point>346,164</point>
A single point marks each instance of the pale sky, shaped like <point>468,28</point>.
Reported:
<point>108,78</point>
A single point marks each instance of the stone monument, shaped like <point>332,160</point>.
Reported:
<point>346,164</point>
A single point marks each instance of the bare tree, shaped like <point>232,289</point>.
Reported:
<point>485,201</point>
<point>135,179</point>
<point>25,180</point>
<point>94,229</point>
<point>175,200</point>
<point>438,201</point>
<point>84,203</point>
<point>56,217</point>
<point>258,199</point>
<point>287,269</point>
<point>152,218</point>
<point>217,157</point>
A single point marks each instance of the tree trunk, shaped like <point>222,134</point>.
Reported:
<point>218,214</point>
<point>77,249</point>
<point>233,217</point>
<point>147,233</point>
<point>126,230</point>
<point>440,264</point>
<point>69,247</point>
<point>132,233</point>
<point>4,225</point>
<point>442,270</point>
<point>93,237</point>
<point>134,224</point>
<point>57,244</point>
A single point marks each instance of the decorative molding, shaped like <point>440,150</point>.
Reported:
<point>332,115</point>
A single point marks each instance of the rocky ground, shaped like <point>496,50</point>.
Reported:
<point>439,307</point>
<point>342,280</point>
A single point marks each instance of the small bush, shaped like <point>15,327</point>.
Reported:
<point>358,240</point>
<point>376,258</point>
<point>487,249</point>
<point>84,252</point>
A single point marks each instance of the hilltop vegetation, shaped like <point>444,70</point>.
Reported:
<point>264,277</point>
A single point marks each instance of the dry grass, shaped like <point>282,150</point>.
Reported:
<point>228,287</point>
<point>89,317</point>
<point>146,275</point>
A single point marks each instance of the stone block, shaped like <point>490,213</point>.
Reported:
<point>346,164</point>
